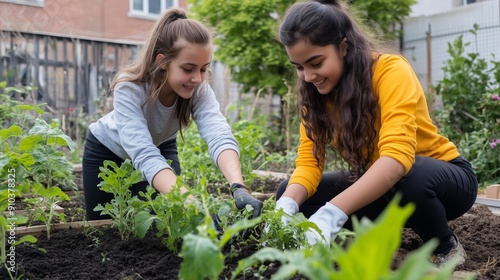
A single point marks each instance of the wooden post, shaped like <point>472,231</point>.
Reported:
<point>429,57</point>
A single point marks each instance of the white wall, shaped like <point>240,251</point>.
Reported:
<point>444,28</point>
<point>430,7</point>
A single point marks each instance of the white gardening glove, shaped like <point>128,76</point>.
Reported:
<point>289,206</point>
<point>329,220</point>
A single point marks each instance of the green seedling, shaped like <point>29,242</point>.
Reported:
<point>93,233</point>
<point>202,252</point>
<point>369,256</point>
<point>276,235</point>
<point>171,216</point>
<point>45,201</point>
<point>123,207</point>
<point>8,222</point>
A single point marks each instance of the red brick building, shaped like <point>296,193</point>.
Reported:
<point>69,50</point>
<point>121,20</point>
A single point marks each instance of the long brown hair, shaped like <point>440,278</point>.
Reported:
<point>344,118</point>
<point>172,26</point>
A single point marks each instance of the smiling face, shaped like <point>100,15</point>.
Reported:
<point>319,65</point>
<point>186,71</point>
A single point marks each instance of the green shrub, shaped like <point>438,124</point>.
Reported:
<point>471,109</point>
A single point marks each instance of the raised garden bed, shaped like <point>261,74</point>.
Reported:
<point>82,250</point>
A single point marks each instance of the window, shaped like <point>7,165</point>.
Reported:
<point>150,8</point>
<point>38,3</point>
<point>467,2</point>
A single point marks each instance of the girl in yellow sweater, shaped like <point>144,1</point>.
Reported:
<point>369,107</point>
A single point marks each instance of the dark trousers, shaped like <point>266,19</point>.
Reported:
<point>94,155</point>
<point>440,190</point>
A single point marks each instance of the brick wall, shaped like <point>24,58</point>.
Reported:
<point>107,19</point>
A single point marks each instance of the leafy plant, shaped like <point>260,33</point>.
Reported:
<point>368,257</point>
<point>8,222</point>
<point>181,211</point>
<point>189,216</point>
<point>246,36</point>
<point>466,78</point>
<point>170,214</point>
<point>470,116</point>
<point>123,207</point>
<point>483,151</point>
<point>93,233</point>
<point>276,235</point>
<point>45,201</point>
<point>193,150</point>
<point>202,253</point>
<point>13,111</point>
<point>249,135</point>
<point>51,165</point>
<point>31,150</point>
<point>34,151</point>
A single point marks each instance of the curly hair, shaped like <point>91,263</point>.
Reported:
<point>345,117</point>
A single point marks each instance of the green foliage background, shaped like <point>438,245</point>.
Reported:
<point>246,35</point>
<point>470,116</point>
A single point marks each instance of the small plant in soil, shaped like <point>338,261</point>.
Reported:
<point>203,252</point>
<point>31,150</point>
<point>369,256</point>
<point>170,216</point>
<point>117,180</point>
<point>8,222</point>
<point>43,204</point>
<point>32,147</point>
<point>276,235</point>
<point>203,244</point>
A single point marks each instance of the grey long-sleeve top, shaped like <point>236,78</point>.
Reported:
<point>134,129</point>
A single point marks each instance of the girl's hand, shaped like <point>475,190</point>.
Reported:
<point>242,198</point>
<point>329,220</point>
<point>289,206</point>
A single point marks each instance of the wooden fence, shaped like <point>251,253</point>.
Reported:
<point>66,73</point>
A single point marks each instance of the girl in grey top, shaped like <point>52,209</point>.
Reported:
<point>154,98</point>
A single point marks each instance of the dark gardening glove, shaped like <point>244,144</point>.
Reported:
<point>217,222</point>
<point>242,198</point>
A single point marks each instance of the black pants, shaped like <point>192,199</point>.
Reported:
<point>94,155</point>
<point>440,190</point>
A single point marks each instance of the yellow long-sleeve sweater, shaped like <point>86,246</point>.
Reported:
<point>404,127</point>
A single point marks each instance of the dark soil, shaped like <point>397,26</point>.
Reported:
<point>477,231</point>
<point>98,253</point>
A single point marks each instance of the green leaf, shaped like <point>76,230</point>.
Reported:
<point>35,108</point>
<point>375,247</point>
<point>56,192</point>
<point>20,219</point>
<point>29,142</point>
<point>4,160</point>
<point>237,227</point>
<point>143,221</point>
<point>27,160</point>
<point>61,141</point>
<point>416,264</point>
<point>13,131</point>
<point>202,258</point>
<point>314,263</point>
<point>263,255</point>
<point>26,238</point>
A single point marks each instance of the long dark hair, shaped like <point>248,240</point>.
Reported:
<point>344,118</point>
<point>168,30</point>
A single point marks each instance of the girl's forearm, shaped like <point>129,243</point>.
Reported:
<point>379,178</point>
<point>229,164</point>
